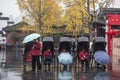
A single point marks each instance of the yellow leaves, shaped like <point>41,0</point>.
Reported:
<point>28,28</point>
<point>86,30</point>
<point>52,15</point>
<point>43,14</point>
<point>77,15</point>
<point>74,16</point>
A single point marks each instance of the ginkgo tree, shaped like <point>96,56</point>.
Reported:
<point>77,16</point>
<point>41,14</point>
<point>44,14</point>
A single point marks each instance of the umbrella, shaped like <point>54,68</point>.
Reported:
<point>65,75</point>
<point>101,57</point>
<point>30,37</point>
<point>65,58</point>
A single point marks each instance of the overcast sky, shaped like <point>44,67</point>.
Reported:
<point>10,9</point>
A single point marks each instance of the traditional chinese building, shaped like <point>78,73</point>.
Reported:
<point>99,25</point>
<point>14,33</point>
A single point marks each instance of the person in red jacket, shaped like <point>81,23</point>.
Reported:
<point>83,57</point>
<point>47,58</point>
<point>35,52</point>
<point>48,53</point>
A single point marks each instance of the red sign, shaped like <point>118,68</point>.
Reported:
<point>113,19</point>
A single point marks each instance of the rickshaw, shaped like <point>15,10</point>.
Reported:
<point>48,43</point>
<point>99,44</point>
<point>65,43</point>
<point>82,43</point>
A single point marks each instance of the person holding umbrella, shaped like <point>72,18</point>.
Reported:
<point>35,52</point>
<point>32,46</point>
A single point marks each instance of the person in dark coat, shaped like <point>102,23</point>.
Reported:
<point>27,49</point>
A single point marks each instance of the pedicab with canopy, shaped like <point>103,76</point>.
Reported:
<point>82,43</point>
<point>64,51</point>
<point>99,52</point>
<point>48,43</point>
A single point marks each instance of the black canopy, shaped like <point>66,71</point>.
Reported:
<point>83,39</point>
<point>66,39</point>
<point>47,43</point>
<point>99,39</point>
<point>48,38</point>
<point>82,43</point>
<point>65,43</point>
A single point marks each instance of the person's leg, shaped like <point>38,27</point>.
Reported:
<point>33,63</point>
<point>97,65</point>
<point>64,67</point>
<point>49,66</point>
<point>104,67</point>
<point>82,63</point>
<point>24,60</point>
<point>86,64</point>
<point>45,62</point>
<point>49,62</point>
<point>38,62</point>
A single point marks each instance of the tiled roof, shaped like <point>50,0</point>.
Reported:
<point>14,27</point>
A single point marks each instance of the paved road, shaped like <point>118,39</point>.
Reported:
<point>13,70</point>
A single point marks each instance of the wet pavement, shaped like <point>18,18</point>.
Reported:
<point>11,68</point>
